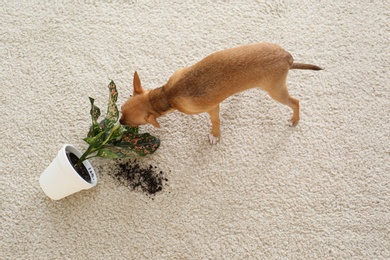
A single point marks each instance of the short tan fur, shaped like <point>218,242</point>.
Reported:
<point>203,86</point>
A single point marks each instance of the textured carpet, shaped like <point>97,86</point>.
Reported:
<point>266,191</point>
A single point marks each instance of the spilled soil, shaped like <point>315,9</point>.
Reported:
<point>147,179</point>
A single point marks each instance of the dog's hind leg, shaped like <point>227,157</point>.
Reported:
<point>280,94</point>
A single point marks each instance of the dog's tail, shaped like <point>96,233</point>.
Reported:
<point>303,66</point>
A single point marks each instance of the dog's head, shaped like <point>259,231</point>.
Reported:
<point>137,110</point>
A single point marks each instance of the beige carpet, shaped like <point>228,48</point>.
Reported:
<point>266,191</point>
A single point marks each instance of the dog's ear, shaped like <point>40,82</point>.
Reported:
<point>151,119</point>
<point>137,85</point>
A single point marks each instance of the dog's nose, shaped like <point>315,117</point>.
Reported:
<point>121,121</point>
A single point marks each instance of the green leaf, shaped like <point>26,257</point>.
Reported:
<point>117,135</point>
<point>102,125</point>
<point>95,113</point>
<point>114,135</point>
<point>110,154</point>
<point>141,144</point>
<point>129,129</point>
<point>112,109</point>
<point>95,141</point>
<point>123,130</point>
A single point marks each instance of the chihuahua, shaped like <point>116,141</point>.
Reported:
<point>203,86</point>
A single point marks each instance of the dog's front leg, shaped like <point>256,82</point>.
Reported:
<point>215,133</point>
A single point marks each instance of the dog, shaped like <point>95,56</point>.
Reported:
<point>203,86</point>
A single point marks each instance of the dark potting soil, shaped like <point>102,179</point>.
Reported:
<point>147,179</point>
<point>81,170</point>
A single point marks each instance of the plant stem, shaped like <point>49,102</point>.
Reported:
<point>90,149</point>
<point>111,133</point>
<point>85,154</point>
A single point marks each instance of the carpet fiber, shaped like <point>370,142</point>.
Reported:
<point>266,191</point>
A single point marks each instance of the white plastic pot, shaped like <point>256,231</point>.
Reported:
<point>60,179</point>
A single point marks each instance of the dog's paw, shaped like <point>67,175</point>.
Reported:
<point>292,123</point>
<point>213,139</point>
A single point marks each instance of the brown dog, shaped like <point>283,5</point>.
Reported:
<point>202,86</point>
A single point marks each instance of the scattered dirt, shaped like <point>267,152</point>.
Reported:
<point>147,179</point>
<point>81,170</point>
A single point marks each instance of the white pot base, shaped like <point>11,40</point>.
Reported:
<point>60,179</point>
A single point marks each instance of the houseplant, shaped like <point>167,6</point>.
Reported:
<point>71,171</point>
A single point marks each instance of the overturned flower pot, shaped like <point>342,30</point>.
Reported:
<point>71,171</point>
<point>64,177</point>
